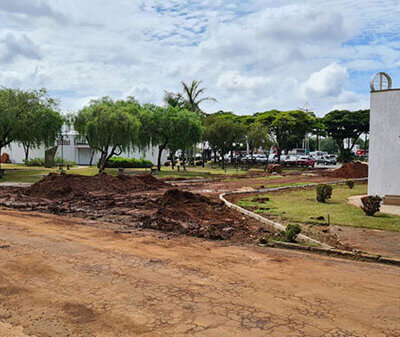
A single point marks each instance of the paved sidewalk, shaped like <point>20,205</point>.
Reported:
<point>388,209</point>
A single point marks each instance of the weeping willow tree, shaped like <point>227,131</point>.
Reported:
<point>109,127</point>
<point>28,117</point>
<point>42,121</point>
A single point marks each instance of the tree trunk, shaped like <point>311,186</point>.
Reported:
<point>160,150</point>
<point>279,151</point>
<point>91,158</point>
<point>1,174</point>
<point>173,160</point>
<point>102,162</point>
<point>26,149</point>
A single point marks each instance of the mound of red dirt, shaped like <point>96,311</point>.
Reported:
<point>196,215</point>
<point>72,185</point>
<point>350,170</point>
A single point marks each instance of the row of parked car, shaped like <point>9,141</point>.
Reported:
<point>289,160</point>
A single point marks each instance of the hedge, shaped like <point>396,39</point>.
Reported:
<point>40,162</point>
<point>118,162</point>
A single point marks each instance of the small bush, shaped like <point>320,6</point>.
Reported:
<point>118,162</point>
<point>59,161</point>
<point>199,163</point>
<point>34,162</point>
<point>324,192</point>
<point>291,232</point>
<point>41,162</point>
<point>350,184</point>
<point>371,204</point>
<point>167,163</point>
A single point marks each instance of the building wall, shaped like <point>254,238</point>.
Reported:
<point>384,146</point>
<point>79,153</point>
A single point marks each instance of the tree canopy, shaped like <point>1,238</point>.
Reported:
<point>222,133</point>
<point>344,124</point>
<point>288,128</point>
<point>171,128</point>
<point>109,127</point>
<point>29,117</point>
<point>190,98</point>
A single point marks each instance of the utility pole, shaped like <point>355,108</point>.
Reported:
<point>306,108</point>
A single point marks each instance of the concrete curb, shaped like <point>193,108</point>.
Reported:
<point>177,182</point>
<point>275,226</point>
<point>357,256</point>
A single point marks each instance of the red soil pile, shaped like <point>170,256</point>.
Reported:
<point>72,185</point>
<point>196,215</point>
<point>350,170</point>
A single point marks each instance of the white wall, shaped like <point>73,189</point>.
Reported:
<point>79,154</point>
<point>384,146</point>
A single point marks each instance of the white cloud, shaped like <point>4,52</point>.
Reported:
<point>325,83</point>
<point>251,55</point>
<point>234,81</point>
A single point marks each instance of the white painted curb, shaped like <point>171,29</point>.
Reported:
<point>275,226</point>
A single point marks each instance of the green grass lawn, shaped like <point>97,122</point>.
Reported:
<point>300,206</point>
<point>25,174</point>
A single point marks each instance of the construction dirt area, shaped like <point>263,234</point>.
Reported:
<point>136,256</point>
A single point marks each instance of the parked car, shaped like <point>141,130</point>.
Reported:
<point>272,159</point>
<point>329,159</point>
<point>289,160</point>
<point>261,159</point>
<point>305,161</point>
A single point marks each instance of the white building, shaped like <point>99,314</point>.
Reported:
<point>384,146</point>
<point>74,149</point>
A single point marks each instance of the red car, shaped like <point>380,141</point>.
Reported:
<point>305,161</point>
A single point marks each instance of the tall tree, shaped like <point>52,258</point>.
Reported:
<point>287,127</point>
<point>28,117</point>
<point>258,136</point>
<point>344,124</point>
<point>170,128</point>
<point>109,127</point>
<point>222,134</point>
<point>42,122</point>
<point>190,98</point>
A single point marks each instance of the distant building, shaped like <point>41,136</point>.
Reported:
<point>74,148</point>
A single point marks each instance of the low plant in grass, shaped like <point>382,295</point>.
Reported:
<point>118,162</point>
<point>324,192</point>
<point>371,204</point>
<point>291,232</point>
<point>57,161</point>
<point>350,184</point>
<point>34,162</point>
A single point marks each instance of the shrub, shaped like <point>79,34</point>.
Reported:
<point>199,163</point>
<point>167,163</point>
<point>346,156</point>
<point>34,162</point>
<point>59,161</point>
<point>118,162</point>
<point>323,192</point>
<point>371,204</point>
<point>350,183</point>
<point>41,162</point>
<point>291,232</point>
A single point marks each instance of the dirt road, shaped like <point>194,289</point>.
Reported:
<point>60,277</point>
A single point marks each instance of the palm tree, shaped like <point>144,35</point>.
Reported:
<point>191,96</point>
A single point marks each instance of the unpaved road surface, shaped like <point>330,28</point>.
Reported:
<point>60,277</point>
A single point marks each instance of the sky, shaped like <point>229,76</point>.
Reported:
<point>252,55</point>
